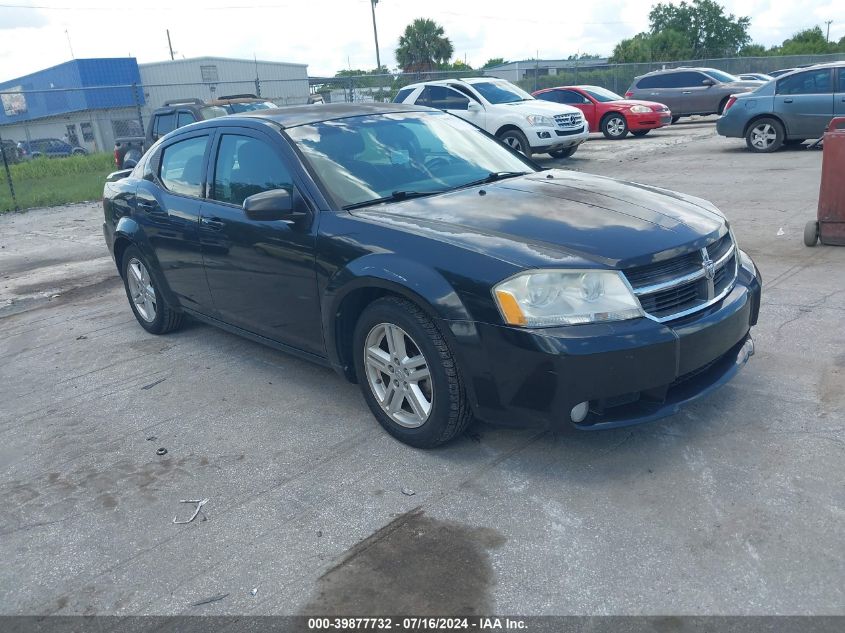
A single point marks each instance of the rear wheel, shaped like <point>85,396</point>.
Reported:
<point>811,233</point>
<point>564,153</point>
<point>408,374</point>
<point>148,304</point>
<point>764,135</point>
<point>640,132</point>
<point>516,140</point>
<point>614,126</point>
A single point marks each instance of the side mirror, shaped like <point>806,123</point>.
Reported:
<point>276,204</point>
<point>708,82</point>
<point>473,107</point>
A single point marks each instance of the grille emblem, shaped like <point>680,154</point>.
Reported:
<point>709,267</point>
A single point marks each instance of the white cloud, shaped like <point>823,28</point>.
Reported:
<point>329,35</point>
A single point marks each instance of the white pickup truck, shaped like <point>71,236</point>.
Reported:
<point>526,124</point>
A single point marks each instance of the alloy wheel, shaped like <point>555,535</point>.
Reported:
<point>513,143</point>
<point>616,126</point>
<point>763,136</point>
<point>398,375</point>
<point>141,289</point>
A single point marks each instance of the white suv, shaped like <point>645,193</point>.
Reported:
<point>526,124</point>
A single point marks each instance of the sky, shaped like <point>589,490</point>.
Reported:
<point>331,35</point>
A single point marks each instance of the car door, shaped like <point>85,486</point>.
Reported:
<point>665,88</point>
<point>168,202</point>
<point>805,102</point>
<point>453,102</point>
<point>261,273</point>
<point>839,96</point>
<point>696,95</point>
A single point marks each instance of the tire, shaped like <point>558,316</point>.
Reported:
<point>614,126</point>
<point>431,410</point>
<point>516,140</point>
<point>675,119</point>
<point>564,153</point>
<point>640,133</point>
<point>151,309</point>
<point>764,135</point>
<point>811,233</point>
<point>79,152</point>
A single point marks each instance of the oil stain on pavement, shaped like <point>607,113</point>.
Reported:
<point>415,564</point>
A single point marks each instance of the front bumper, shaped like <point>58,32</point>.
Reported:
<point>549,139</point>
<point>629,372</point>
<point>648,120</point>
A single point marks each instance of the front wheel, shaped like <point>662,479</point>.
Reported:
<point>566,152</point>
<point>614,126</point>
<point>516,140</point>
<point>148,304</point>
<point>408,375</point>
<point>764,135</point>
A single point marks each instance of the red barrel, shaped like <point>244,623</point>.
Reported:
<point>830,227</point>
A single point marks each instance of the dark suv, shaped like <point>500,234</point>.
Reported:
<point>689,91</point>
<point>445,273</point>
<point>176,113</point>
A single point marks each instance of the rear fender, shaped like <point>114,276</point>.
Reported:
<point>129,233</point>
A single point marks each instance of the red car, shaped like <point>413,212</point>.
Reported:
<point>607,112</point>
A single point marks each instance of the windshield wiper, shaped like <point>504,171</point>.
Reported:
<point>396,196</point>
<point>493,176</point>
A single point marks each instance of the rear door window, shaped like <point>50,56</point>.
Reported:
<point>655,81</point>
<point>185,118</point>
<point>181,166</point>
<point>164,123</point>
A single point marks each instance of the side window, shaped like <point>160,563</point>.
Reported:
<point>164,123</point>
<point>466,92</point>
<point>425,97</point>
<point>185,118</point>
<point>246,166</point>
<point>181,166</point>
<point>655,81</point>
<point>806,83</point>
<point>402,95</point>
<point>446,99</point>
<point>687,80</point>
<point>568,96</point>
<point>841,84</point>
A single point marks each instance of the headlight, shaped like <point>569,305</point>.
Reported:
<point>538,120</point>
<point>544,298</point>
<point>640,109</point>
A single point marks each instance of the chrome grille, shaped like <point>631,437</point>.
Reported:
<point>568,120</point>
<point>682,285</point>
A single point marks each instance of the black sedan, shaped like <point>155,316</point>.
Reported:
<point>449,276</point>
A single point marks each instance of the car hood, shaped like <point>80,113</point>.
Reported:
<point>556,216</point>
<point>538,106</point>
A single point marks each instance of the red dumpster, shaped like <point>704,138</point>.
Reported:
<point>829,227</point>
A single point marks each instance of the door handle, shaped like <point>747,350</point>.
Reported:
<point>213,223</point>
<point>147,205</point>
<point>787,100</point>
<point>687,92</point>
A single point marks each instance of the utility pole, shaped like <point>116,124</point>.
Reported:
<point>373,4</point>
<point>827,37</point>
<point>169,45</point>
<point>69,45</point>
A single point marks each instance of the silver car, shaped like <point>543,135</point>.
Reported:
<point>689,91</point>
<point>788,110</point>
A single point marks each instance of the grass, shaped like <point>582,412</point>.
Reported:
<point>45,182</point>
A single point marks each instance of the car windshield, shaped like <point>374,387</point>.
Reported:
<point>251,107</point>
<point>602,94</point>
<point>212,112</point>
<point>721,76</point>
<point>368,158</point>
<point>497,92</point>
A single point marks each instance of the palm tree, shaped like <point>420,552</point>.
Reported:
<point>423,46</point>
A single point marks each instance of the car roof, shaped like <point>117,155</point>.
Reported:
<point>292,116</point>
<point>446,82</point>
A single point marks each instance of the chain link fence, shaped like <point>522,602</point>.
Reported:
<point>83,136</point>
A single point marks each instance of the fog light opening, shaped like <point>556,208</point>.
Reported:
<point>579,412</point>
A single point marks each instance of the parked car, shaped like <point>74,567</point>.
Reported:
<point>796,107</point>
<point>11,152</point>
<point>755,77</point>
<point>689,91</point>
<point>607,112</point>
<point>442,271</point>
<point>49,147</point>
<point>237,104</point>
<point>526,124</point>
<point>782,71</point>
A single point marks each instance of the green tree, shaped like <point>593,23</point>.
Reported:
<point>494,61</point>
<point>457,65</point>
<point>423,46</point>
<point>665,46</point>
<point>807,42</point>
